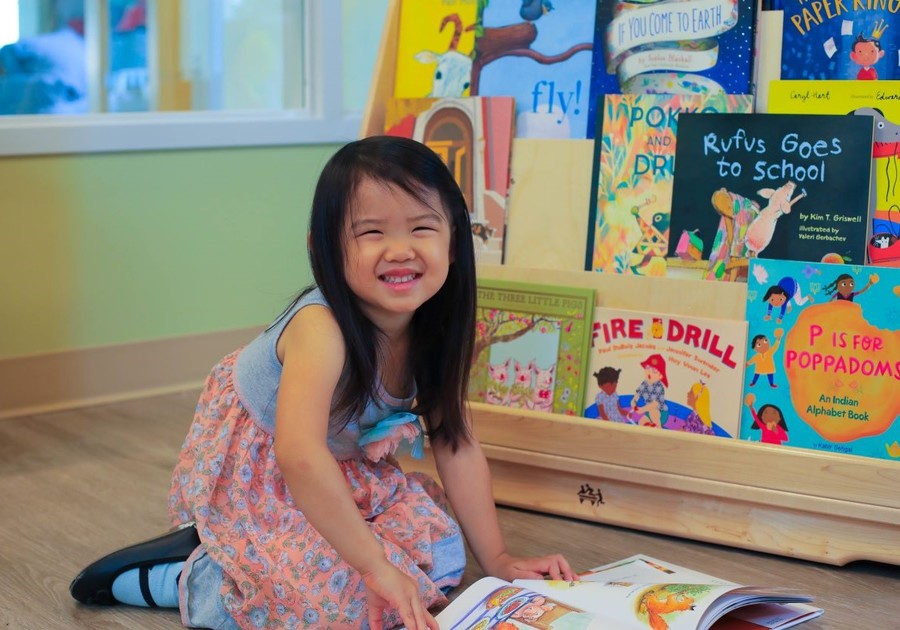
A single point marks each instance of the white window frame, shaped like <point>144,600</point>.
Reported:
<point>324,122</point>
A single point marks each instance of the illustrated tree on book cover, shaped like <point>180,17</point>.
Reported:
<point>531,346</point>
<point>824,357</point>
<point>540,53</point>
<point>848,41</point>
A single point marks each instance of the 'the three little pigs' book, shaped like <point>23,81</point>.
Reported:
<point>786,186</point>
<point>676,372</point>
<point>531,346</point>
<point>631,183</point>
<point>823,357</point>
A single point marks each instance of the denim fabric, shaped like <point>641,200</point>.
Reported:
<point>201,600</point>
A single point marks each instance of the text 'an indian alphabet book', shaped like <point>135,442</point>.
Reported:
<point>631,183</point>
<point>676,372</point>
<point>823,363</point>
<point>691,47</point>
<point>853,39</point>
<point>636,593</point>
<point>473,136</point>
<point>540,53</point>
<point>881,101</point>
<point>434,48</point>
<point>531,346</point>
<point>785,186</point>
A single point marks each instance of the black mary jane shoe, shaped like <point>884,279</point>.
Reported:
<point>94,584</point>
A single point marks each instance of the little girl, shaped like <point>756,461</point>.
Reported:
<point>293,510</point>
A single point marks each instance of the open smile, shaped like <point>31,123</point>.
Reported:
<point>400,279</point>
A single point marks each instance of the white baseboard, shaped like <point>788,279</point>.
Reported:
<point>91,376</point>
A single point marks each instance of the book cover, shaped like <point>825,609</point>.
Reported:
<point>434,48</point>
<point>631,183</point>
<point>786,186</point>
<point>531,346</point>
<point>823,360</point>
<point>678,372</point>
<point>473,136</point>
<point>878,99</point>
<point>844,40</point>
<point>635,593</point>
<point>684,47</point>
<point>540,53</point>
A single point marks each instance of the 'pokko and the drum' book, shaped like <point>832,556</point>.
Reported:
<point>677,372</point>
<point>635,593</point>
<point>531,345</point>
<point>785,186</point>
<point>631,182</point>
<point>823,358</point>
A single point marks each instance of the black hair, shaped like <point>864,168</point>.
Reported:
<point>775,290</point>
<point>755,339</point>
<point>862,39</point>
<point>831,287</point>
<point>442,330</point>
<point>607,375</point>
<point>759,414</point>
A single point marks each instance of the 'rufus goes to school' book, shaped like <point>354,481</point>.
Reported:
<point>540,53</point>
<point>473,136</point>
<point>879,100</point>
<point>631,183</point>
<point>842,39</point>
<point>635,593</point>
<point>531,345</point>
<point>690,47</point>
<point>677,372</point>
<point>823,367</point>
<point>786,186</point>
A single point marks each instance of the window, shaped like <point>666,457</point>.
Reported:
<point>118,75</point>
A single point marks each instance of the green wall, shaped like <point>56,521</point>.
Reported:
<point>101,249</point>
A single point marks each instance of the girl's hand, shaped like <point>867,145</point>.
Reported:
<point>510,568</point>
<point>387,588</point>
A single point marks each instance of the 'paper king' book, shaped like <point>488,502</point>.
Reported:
<point>823,365</point>
<point>540,53</point>
<point>849,39</point>
<point>473,136</point>
<point>672,47</point>
<point>531,346</point>
<point>677,372</point>
<point>881,101</point>
<point>631,183</point>
<point>786,186</point>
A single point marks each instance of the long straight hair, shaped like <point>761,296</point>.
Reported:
<point>442,330</point>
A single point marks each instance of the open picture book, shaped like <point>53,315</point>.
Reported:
<point>636,593</point>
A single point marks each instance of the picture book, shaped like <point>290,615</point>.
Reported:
<point>473,136</point>
<point>823,357</point>
<point>540,53</point>
<point>688,47</point>
<point>678,372</point>
<point>636,593</point>
<point>786,186</point>
<point>879,100</point>
<point>631,183</point>
<point>531,346</point>
<point>434,48</point>
<point>843,40</point>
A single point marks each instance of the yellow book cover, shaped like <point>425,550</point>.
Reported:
<point>434,48</point>
<point>880,99</point>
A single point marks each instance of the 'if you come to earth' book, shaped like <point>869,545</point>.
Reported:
<point>531,345</point>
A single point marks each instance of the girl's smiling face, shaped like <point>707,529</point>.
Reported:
<point>845,287</point>
<point>777,299</point>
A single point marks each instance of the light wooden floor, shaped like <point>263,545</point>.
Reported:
<point>77,484</point>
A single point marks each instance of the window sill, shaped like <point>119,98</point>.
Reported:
<point>53,134</point>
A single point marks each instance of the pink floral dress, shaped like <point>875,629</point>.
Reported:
<point>279,572</point>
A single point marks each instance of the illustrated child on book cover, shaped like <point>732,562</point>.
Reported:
<point>763,359</point>
<point>608,405</point>
<point>650,397</point>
